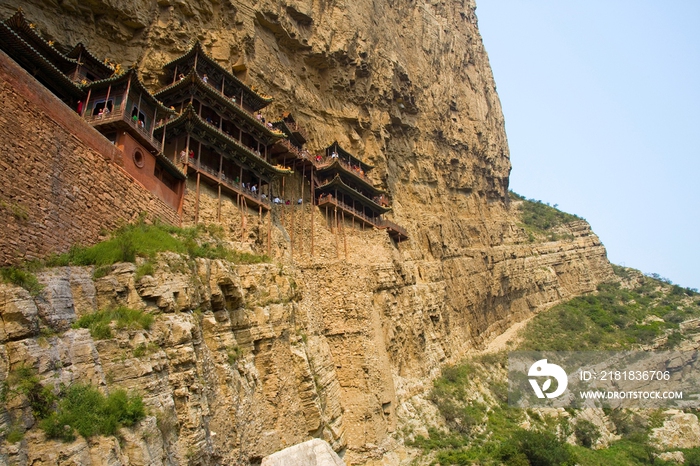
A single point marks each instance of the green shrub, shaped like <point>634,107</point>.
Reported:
<point>14,434</point>
<point>536,448</point>
<point>143,349</point>
<point>692,457</point>
<point>23,278</point>
<point>84,409</point>
<point>540,217</point>
<point>23,381</point>
<point>144,269</point>
<point>234,354</point>
<point>142,240</point>
<point>99,322</point>
<point>587,433</point>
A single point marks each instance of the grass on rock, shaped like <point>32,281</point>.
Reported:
<point>99,322</point>
<point>471,397</point>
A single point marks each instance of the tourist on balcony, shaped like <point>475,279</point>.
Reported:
<point>300,201</point>
<point>80,108</point>
<point>259,116</point>
<point>205,78</point>
<point>277,200</point>
<point>105,112</point>
<point>191,154</point>
<point>334,155</point>
<point>183,156</point>
<point>181,77</point>
<point>99,115</point>
<point>254,189</point>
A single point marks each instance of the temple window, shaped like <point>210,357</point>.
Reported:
<point>100,105</point>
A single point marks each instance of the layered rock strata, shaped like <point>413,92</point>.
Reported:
<point>332,345</point>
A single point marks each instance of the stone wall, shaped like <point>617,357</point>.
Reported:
<point>61,181</point>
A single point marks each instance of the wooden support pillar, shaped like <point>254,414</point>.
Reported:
<point>109,90</point>
<point>301,196</point>
<point>269,232</point>
<point>162,144</point>
<point>187,150</point>
<point>87,101</point>
<point>353,217</point>
<point>291,236</point>
<point>138,107</point>
<point>196,203</point>
<point>313,202</point>
<point>199,156</point>
<point>153,123</point>
<point>218,212</point>
<point>243,219</point>
<point>335,222</point>
<point>345,238</point>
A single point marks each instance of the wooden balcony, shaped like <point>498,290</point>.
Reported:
<point>120,119</point>
<point>230,185</point>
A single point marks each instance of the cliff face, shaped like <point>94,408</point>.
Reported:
<point>334,345</point>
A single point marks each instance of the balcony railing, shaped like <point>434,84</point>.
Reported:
<point>384,223</point>
<point>328,199</point>
<point>120,115</point>
<point>214,174</point>
<point>302,154</point>
<point>376,221</point>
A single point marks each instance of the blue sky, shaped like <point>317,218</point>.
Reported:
<point>602,107</point>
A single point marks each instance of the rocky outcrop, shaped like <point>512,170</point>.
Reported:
<point>315,452</point>
<point>245,360</point>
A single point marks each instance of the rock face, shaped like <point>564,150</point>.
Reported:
<point>245,360</point>
<point>315,452</point>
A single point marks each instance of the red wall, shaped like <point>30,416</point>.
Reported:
<point>61,181</point>
<point>145,174</point>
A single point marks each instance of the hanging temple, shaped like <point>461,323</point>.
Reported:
<point>206,124</point>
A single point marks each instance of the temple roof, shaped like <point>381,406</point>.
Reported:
<point>31,36</point>
<point>193,79</point>
<point>84,57</point>
<point>339,167</point>
<point>337,183</point>
<point>233,86</point>
<point>170,166</point>
<point>136,85</point>
<point>229,147</point>
<point>34,61</point>
<point>348,156</point>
